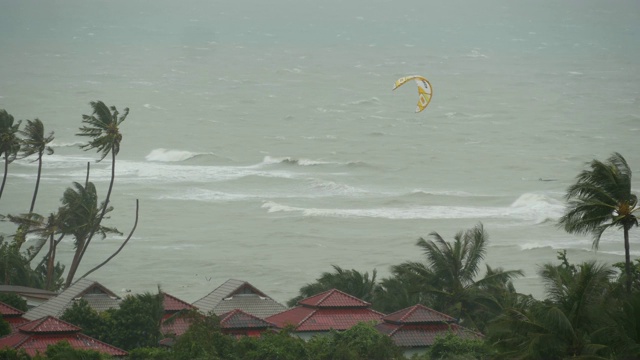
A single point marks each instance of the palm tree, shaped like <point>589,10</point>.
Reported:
<point>600,199</point>
<point>566,323</point>
<point>35,142</point>
<point>9,142</point>
<point>450,275</point>
<point>102,127</point>
<point>351,282</point>
<point>80,216</point>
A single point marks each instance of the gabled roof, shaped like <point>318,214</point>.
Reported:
<point>238,319</point>
<point>419,326</point>
<point>172,304</point>
<point>27,291</point>
<point>36,335</point>
<point>328,310</point>
<point>12,315</point>
<point>334,298</point>
<point>418,314</point>
<point>238,294</point>
<point>99,298</point>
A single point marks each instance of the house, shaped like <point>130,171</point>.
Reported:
<point>12,315</point>
<point>332,309</point>
<point>174,323</point>
<point>34,337</point>
<point>33,296</point>
<point>416,328</point>
<point>238,294</point>
<point>99,298</point>
<point>238,323</point>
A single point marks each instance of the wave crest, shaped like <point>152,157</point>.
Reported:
<point>164,155</point>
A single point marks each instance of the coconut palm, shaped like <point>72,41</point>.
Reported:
<point>450,275</point>
<point>601,199</point>
<point>9,142</point>
<point>80,216</point>
<point>35,142</point>
<point>351,282</point>
<point>102,126</point>
<point>565,324</point>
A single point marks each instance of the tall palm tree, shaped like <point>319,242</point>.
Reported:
<point>9,142</point>
<point>601,199</point>
<point>35,142</point>
<point>102,126</point>
<point>451,271</point>
<point>80,216</point>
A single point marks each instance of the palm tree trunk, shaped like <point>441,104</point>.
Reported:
<point>76,262</point>
<point>6,169</point>
<point>35,192</point>
<point>50,261</point>
<point>627,259</point>
<point>82,245</point>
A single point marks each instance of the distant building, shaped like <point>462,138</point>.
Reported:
<point>319,314</point>
<point>238,294</point>
<point>33,296</point>
<point>417,327</point>
<point>99,298</point>
<point>238,323</point>
<point>174,322</point>
<point>12,315</point>
<point>36,335</point>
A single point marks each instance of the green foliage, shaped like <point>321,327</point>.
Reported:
<point>452,346</point>
<point>5,328</point>
<point>150,353</point>
<point>351,282</point>
<point>11,354</point>
<point>63,351</point>
<point>272,346</point>
<point>83,316</point>
<point>137,322</point>
<point>361,342</point>
<point>203,339</point>
<point>14,300</point>
<point>15,268</point>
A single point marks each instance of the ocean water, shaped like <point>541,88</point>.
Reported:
<point>264,142</point>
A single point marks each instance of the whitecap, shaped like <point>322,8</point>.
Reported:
<point>164,155</point>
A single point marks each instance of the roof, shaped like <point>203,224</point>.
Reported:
<point>334,298</point>
<point>418,314</point>
<point>238,319</point>
<point>12,315</point>
<point>172,304</point>
<point>423,335</point>
<point>36,335</point>
<point>323,319</point>
<point>332,309</point>
<point>99,298</point>
<point>27,291</point>
<point>419,326</point>
<point>176,324</point>
<point>237,294</point>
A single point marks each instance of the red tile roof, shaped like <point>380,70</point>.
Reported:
<point>423,335</point>
<point>12,315</point>
<point>36,335</point>
<point>418,314</point>
<point>331,309</point>
<point>238,319</point>
<point>173,304</point>
<point>334,298</point>
<point>176,325</point>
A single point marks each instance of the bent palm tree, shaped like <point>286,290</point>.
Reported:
<point>80,216</point>
<point>9,142</point>
<point>102,126</point>
<point>35,142</point>
<point>600,199</point>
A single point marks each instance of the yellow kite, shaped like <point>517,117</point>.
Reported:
<point>424,89</point>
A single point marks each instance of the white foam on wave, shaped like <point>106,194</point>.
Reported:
<point>205,195</point>
<point>55,144</point>
<point>165,155</point>
<point>529,207</point>
<point>270,160</point>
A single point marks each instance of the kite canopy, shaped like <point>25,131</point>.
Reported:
<point>424,89</point>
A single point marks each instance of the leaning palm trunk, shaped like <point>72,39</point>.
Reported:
<point>6,170</point>
<point>35,191</point>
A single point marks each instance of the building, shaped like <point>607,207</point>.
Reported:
<point>238,294</point>
<point>416,328</point>
<point>174,321</point>
<point>12,315</point>
<point>99,298</point>
<point>238,323</point>
<point>33,337</point>
<point>319,314</point>
<point>33,296</point>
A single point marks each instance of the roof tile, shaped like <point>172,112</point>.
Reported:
<point>334,298</point>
